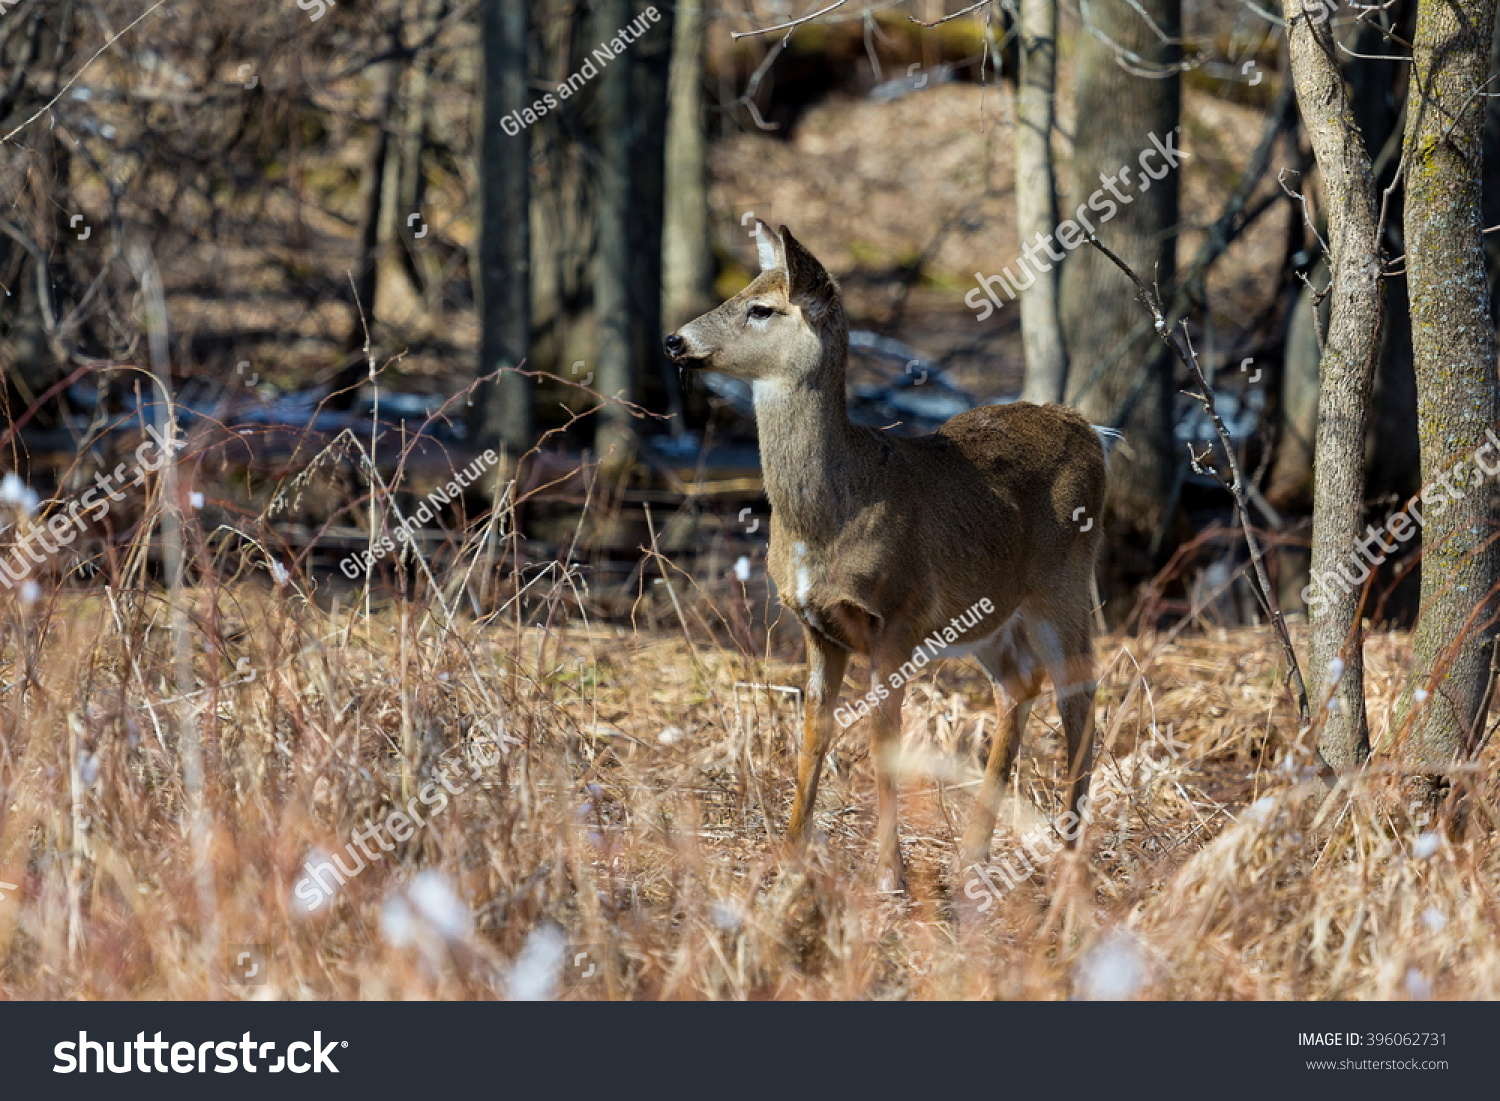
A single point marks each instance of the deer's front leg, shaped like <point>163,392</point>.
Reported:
<point>826,663</point>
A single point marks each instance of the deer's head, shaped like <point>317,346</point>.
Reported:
<point>787,326</point>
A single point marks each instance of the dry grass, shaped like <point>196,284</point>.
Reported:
<point>631,827</point>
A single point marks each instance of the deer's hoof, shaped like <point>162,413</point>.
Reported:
<point>892,881</point>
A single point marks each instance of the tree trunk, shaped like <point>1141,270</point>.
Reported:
<point>387,80</point>
<point>408,293</point>
<point>503,409</point>
<point>1036,198</point>
<point>1127,381</point>
<point>564,213</point>
<point>659,388</point>
<point>613,439</point>
<point>1350,350</point>
<point>687,259</point>
<point>1454,345</point>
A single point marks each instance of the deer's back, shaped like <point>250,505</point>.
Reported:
<point>1045,464</point>
<point>1022,446</point>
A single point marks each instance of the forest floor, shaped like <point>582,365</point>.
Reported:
<point>613,802</point>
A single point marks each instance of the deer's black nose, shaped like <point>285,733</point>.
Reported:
<point>674,345</point>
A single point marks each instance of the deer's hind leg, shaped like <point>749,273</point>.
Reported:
<point>1016,677</point>
<point>885,753</point>
<point>1067,647</point>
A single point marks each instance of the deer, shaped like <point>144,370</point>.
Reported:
<point>979,540</point>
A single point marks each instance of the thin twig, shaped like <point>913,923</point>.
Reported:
<point>44,108</point>
<point>955,15</point>
<point>1236,485</point>
<point>794,23</point>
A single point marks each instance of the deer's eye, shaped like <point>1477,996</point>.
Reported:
<point>760,313</point>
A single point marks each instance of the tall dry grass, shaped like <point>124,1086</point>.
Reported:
<point>624,846</point>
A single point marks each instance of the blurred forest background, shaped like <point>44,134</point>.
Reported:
<point>291,166</point>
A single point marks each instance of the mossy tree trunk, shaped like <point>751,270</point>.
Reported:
<point>1441,711</point>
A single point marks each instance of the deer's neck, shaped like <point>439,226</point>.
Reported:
<point>807,449</point>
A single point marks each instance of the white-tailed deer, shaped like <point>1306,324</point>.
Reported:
<point>882,545</point>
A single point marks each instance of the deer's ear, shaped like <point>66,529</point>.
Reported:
<point>812,287</point>
<point>769,247</point>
